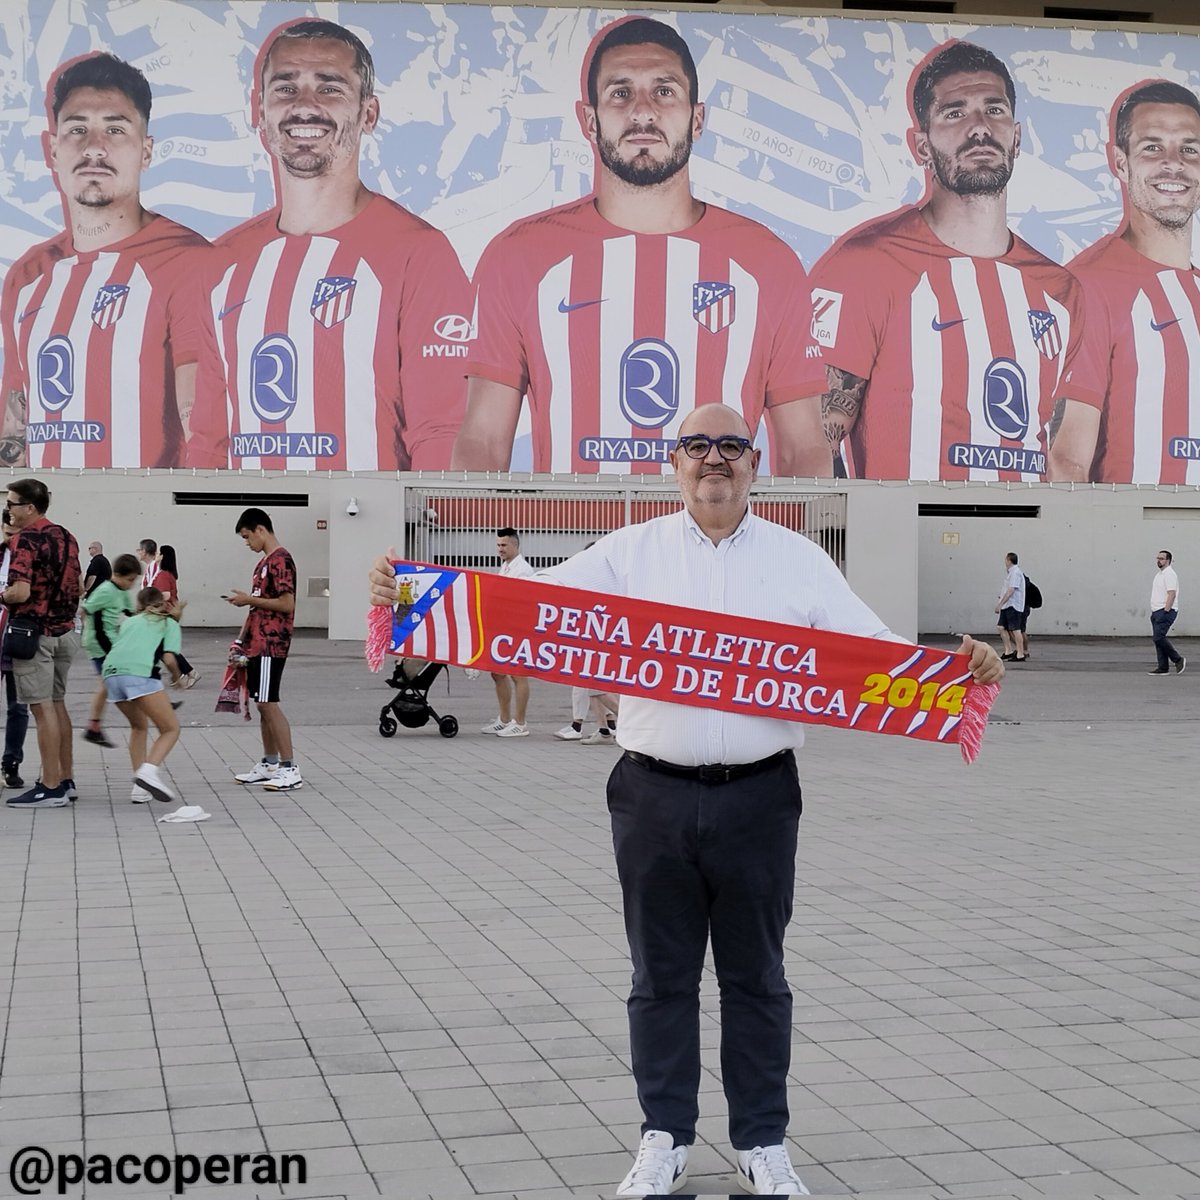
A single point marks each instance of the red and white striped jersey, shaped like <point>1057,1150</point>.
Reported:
<point>1139,364</point>
<point>93,339</point>
<point>615,336</point>
<point>963,354</point>
<point>340,351</point>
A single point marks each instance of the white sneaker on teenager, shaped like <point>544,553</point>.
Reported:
<point>659,1167</point>
<point>286,779</point>
<point>568,733</point>
<point>495,726</point>
<point>259,773</point>
<point>149,777</point>
<point>768,1171</point>
<point>512,729</point>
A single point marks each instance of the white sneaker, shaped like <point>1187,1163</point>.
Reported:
<point>259,773</point>
<point>150,779</point>
<point>768,1171</point>
<point>512,729</point>
<point>284,780</point>
<point>602,737</point>
<point>659,1168</point>
<point>494,726</point>
<point>568,733</point>
<point>139,796</point>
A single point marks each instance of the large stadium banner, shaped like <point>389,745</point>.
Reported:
<point>387,237</point>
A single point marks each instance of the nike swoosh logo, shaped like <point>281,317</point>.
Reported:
<point>226,311</point>
<point>938,326</point>
<point>29,313</point>
<point>564,307</point>
<point>1159,327</point>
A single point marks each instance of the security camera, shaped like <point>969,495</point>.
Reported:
<point>352,507</point>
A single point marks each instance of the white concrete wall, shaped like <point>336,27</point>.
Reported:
<point>1091,550</point>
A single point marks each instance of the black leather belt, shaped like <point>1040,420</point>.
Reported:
<point>711,772</point>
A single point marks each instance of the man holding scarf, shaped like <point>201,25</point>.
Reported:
<point>706,806</point>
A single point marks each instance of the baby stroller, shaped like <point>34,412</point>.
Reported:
<point>410,707</point>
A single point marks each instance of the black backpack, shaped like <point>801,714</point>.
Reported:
<point>1033,594</point>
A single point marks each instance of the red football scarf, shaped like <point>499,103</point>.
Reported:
<point>665,652</point>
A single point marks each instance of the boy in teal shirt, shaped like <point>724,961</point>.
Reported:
<point>103,611</point>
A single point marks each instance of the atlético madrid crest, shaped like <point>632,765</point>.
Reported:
<point>333,297</point>
<point>109,304</point>
<point>714,304</point>
<point>1044,327</point>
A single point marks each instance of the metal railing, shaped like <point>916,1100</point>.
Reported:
<point>454,523</point>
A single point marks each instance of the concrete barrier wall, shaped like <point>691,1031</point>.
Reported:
<point>1091,550</point>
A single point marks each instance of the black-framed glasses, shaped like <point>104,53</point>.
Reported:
<point>11,504</point>
<point>730,448</point>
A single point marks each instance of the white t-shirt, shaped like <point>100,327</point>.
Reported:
<point>1015,579</point>
<point>1165,581</point>
<point>516,568</point>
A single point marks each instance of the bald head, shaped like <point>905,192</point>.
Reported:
<point>715,419</point>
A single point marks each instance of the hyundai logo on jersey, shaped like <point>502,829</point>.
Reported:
<point>273,367</point>
<point>332,299</point>
<point>713,305</point>
<point>649,383</point>
<point>109,304</point>
<point>55,373</point>
<point>1006,399</point>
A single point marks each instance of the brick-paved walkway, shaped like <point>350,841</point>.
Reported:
<point>413,970</point>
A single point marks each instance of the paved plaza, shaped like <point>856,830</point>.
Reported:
<point>413,970</point>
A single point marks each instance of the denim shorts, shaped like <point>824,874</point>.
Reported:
<point>130,687</point>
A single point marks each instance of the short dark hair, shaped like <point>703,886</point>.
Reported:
<point>316,30</point>
<point>252,519</point>
<point>957,58</point>
<point>509,531</point>
<point>126,564</point>
<point>1170,557</point>
<point>107,73</point>
<point>32,491</point>
<point>148,596</point>
<point>148,545</point>
<point>642,31</point>
<point>1157,91</point>
<point>1011,556</point>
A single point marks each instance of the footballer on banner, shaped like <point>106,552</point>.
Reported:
<point>1128,411</point>
<point>945,334</point>
<point>102,323</point>
<point>617,314</point>
<point>341,320</point>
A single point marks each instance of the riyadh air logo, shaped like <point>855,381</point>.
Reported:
<point>1044,327</point>
<point>109,304</point>
<point>1006,399</point>
<point>55,373</point>
<point>333,298</point>
<point>273,374</point>
<point>649,383</point>
<point>714,305</point>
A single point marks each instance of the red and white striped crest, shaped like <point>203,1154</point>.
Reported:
<point>109,304</point>
<point>713,305</point>
<point>333,297</point>
<point>1044,327</point>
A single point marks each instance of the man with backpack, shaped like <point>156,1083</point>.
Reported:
<point>1012,611</point>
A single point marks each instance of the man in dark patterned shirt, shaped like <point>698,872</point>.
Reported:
<point>44,584</point>
<point>264,641</point>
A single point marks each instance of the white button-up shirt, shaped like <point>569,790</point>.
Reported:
<point>517,568</point>
<point>761,570</point>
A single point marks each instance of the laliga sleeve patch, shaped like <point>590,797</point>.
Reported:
<point>827,313</point>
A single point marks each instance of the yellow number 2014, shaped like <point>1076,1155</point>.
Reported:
<point>904,692</point>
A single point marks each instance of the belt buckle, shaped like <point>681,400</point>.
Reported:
<point>712,773</point>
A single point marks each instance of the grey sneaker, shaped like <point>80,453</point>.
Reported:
<point>1181,666</point>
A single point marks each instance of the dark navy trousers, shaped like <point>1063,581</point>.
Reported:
<point>699,861</point>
